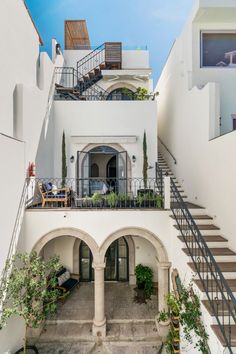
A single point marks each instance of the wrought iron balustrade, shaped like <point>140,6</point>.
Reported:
<point>93,193</point>
<point>221,299</point>
<point>91,61</point>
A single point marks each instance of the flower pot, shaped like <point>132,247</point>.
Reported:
<point>162,327</point>
<point>30,349</point>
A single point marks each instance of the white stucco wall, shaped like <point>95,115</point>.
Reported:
<point>131,59</point>
<point>103,119</point>
<point>145,254</point>
<point>19,44</point>
<point>187,119</point>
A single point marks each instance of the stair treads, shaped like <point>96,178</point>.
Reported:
<point>200,227</point>
<point>198,217</point>
<point>211,284</point>
<point>232,329</point>
<point>220,307</point>
<point>207,238</point>
<point>216,251</point>
<point>224,266</point>
<point>189,205</point>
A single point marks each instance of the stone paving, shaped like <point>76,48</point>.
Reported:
<point>119,303</point>
<point>130,326</point>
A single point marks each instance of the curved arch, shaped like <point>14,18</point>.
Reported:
<point>121,84</point>
<point>68,231</point>
<point>136,231</point>
<point>115,146</point>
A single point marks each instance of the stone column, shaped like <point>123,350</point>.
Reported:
<point>99,321</point>
<point>163,283</point>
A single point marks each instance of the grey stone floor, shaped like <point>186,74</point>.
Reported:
<point>130,326</point>
<point>119,303</point>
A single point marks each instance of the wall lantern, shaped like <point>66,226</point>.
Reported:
<point>134,158</point>
<point>72,159</point>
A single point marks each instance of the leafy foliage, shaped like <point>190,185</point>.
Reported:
<point>112,199</point>
<point>145,160</point>
<point>63,161</point>
<point>141,94</point>
<point>97,199</point>
<point>30,289</point>
<point>144,277</point>
<point>186,305</point>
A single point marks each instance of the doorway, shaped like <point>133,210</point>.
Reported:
<point>117,262</point>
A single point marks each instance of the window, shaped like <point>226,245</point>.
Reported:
<point>218,49</point>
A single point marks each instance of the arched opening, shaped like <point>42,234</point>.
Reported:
<point>121,94</point>
<point>116,261</point>
<point>102,170</point>
<point>149,251</point>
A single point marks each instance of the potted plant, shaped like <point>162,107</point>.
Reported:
<point>141,94</point>
<point>97,199</point>
<point>162,321</point>
<point>29,291</point>
<point>144,278</point>
<point>112,200</point>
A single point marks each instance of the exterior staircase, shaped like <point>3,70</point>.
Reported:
<point>81,83</point>
<point>221,302</point>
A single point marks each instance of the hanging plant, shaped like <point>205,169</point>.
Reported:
<point>185,308</point>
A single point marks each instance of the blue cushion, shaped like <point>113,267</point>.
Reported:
<point>70,284</point>
<point>47,186</point>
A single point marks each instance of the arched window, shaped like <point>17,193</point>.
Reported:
<point>121,94</point>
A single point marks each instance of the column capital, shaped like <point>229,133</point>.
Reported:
<point>98,265</point>
<point>164,265</point>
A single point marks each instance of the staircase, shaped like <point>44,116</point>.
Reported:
<point>210,257</point>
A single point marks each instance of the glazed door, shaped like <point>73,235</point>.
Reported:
<point>86,260</point>
<point>83,173</point>
<point>117,257</point>
<point>122,172</point>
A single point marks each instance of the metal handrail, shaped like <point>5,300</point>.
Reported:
<point>162,143</point>
<point>210,275</point>
<point>96,52</point>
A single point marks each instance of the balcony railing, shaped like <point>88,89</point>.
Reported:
<point>100,193</point>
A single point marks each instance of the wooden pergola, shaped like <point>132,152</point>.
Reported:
<point>76,35</point>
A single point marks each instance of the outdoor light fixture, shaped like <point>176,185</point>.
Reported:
<point>134,158</point>
<point>72,159</point>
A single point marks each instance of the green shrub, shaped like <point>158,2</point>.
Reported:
<point>144,278</point>
<point>112,199</point>
<point>96,199</point>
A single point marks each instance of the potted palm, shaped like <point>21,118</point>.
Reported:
<point>29,292</point>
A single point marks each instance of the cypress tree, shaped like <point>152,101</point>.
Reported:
<point>63,162</point>
<point>145,160</point>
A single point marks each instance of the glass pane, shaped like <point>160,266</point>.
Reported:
<point>111,271</point>
<point>123,269</point>
<point>219,49</point>
<point>84,251</point>
<point>85,265</point>
<point>122,248</point>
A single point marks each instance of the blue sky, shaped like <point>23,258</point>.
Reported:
<point>155,23</point>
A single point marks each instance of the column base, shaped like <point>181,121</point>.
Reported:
<point>132,279</point>
<point>99,329</point>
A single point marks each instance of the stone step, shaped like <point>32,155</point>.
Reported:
<point>232,330</point>
<point>202,227</point>
<point>212,284</point>
<point>221,308</point>
<point>213,241</point>
<point>225,267</point>
<point>198,217</point>
<point>221,251</point>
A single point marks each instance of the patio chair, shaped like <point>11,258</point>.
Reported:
<point>50,194</point>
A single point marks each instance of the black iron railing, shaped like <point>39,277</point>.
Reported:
<point>93,193</point>
<point>166,148</point>
<point>91,61</point>
<point>215,286</point>
<point>66,76</point>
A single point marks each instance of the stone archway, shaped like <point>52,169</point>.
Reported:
<point>121,84</point>
<point>68,231</point>
<point>161,256</point>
